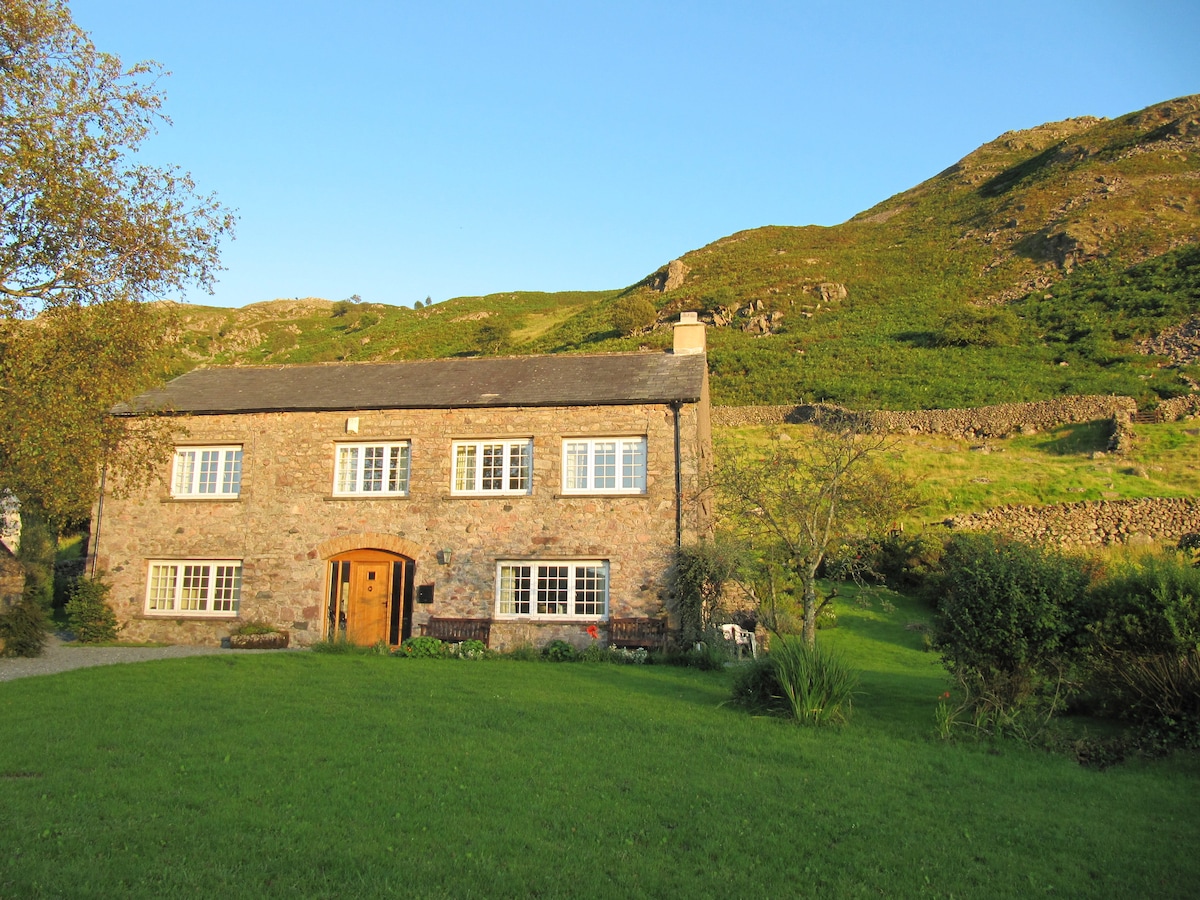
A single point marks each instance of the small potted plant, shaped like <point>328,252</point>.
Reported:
<point>258,636</point>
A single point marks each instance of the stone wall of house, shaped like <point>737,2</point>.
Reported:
<point>286,524</point>
<point>1091,523</point>
<point>983,421</point>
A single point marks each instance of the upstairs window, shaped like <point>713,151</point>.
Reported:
<point>371,469</point>
<point>207,472</point>
<point>492,467</point>
<point>604,466</point>
<point>194,587</point>
<point>552,589</point>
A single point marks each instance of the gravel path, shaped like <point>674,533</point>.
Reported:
<point>61,656</point>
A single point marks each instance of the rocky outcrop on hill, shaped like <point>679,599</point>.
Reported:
<point>1180,344</point>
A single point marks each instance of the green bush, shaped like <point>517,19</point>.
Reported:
<point>88,614</point>
<point>471,649</point>
<point>633,314</point>
<point>23,629</point>
<point>1007,622</point>
<point>560,651</point>
<point>421,646</point>
<point>756,687</point>
<point>1144,653</point>
<point>1148,606</point>
<point>817,684</point>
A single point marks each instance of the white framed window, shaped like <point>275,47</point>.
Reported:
<point>552,589</point>
<point>194,587</point>
<point>492,467</point>
<point>207,472</point>
<point>371,469</point>
<point>604,465</point>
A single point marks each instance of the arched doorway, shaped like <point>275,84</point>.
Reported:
<point>370,597</point>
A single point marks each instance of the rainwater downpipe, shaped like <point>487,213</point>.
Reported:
<point>95,541</point>
<point>675,405</point>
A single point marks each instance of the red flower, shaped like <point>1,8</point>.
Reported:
<point>593,632</point>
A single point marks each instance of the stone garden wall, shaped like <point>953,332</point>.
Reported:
<point>983,421</point>
<point>1091,523</point>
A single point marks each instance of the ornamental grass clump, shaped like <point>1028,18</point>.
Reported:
<point>816,682</point>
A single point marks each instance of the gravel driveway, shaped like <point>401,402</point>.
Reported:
<point>60,656</point>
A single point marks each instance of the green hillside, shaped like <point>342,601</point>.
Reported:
<point>1061,259</point>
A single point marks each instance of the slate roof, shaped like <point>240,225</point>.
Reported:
<point>564,380</point>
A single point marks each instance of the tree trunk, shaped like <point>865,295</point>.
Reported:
<point>810,610</point>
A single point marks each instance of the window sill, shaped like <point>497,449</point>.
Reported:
<point>228,498</point>
<point>331,498</point>
<point>490,495</point>
<point>187,616</point>
<point>636,495</point>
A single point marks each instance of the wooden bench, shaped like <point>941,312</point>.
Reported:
<point>648,633</point>
<point>455,631</point>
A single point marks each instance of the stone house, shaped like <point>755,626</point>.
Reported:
<point>542,495</point>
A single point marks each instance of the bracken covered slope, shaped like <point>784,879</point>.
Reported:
<point>956,292</point>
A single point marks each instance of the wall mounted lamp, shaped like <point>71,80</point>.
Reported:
<point>444,556</point>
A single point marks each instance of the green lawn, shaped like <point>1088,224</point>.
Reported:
<point>314,775</point>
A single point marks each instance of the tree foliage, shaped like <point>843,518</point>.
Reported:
<point>795,502</point>
<point>83,221</point>
<point>88,232</point>
<point>633,314</point>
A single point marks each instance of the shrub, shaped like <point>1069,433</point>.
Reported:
<point>524,653</point>
<point>756,687</point>
<point>817,684</point>
<point>1144,626</point>
<point>471,649</point>
<point>560,651</point>
<point>1149,606</point>
<point>88,614</point>
<point>697,579</point>
<point>908,561</point>
<point>423,647</point>
<point>1006,623</point>
<point>23,629</point>
<point>633,314</point>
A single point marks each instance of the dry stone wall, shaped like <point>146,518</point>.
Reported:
<point>1091,523</point>
<point>983,421</point>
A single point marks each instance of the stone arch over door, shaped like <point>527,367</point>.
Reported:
<point>369,540</point>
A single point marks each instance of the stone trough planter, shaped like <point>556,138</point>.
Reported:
<point>276,640</point>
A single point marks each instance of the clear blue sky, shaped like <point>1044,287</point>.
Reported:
<point>399,150</point>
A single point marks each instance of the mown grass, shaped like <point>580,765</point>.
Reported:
<point>309,775</point>
<point>1062,465</point>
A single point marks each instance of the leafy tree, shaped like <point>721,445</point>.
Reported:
<point>87,233</point>
<point>633,314</point>
<point>494,337</point>
<point>797,501</point>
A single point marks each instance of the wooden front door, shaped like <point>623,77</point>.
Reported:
<point>368,597</point>
<point>368,607</point>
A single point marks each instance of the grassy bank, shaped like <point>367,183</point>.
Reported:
<point>1061,465</point>
<point>310,775</point>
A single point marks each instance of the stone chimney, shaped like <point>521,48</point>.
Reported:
<point>689,335</point>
